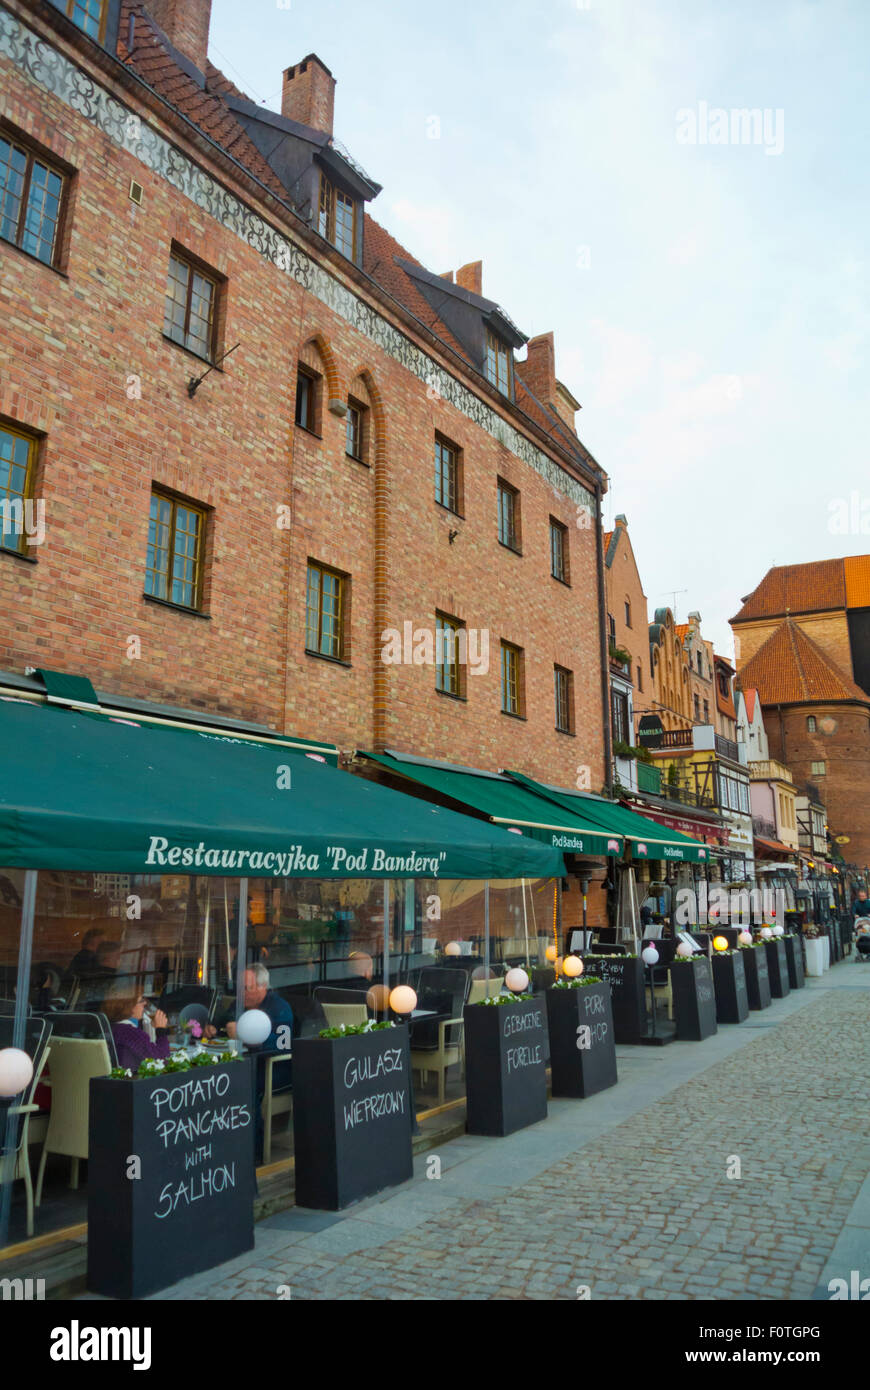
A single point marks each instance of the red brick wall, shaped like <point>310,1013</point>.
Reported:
<point>842,742</point>
<point>185,23</point>
<point>65,368</point>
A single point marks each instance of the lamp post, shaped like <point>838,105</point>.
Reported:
<point>650,958</point>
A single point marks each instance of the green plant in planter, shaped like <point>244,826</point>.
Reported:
<point>349,1030</point>
<point>618,654</point>
<point>155,1066</point>
<point>565,983</point>
<point>690,960</point>
<point>626,956</point>
<point>499,999</point>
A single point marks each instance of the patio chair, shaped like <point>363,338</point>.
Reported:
<point>14,1165</point>
<point>478,989</point>
<point>347,1014</point>
<point>74,1061</point>
<point>275,1102</point>
<point>446,1053</point>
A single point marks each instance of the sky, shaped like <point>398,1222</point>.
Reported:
<point>705,277</point>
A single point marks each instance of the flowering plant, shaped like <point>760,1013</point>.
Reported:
<point>565,983</point>
<point>347,1030</point>
<point>504,999</point>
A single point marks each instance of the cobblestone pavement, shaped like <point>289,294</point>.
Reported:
<point>626,1193</point>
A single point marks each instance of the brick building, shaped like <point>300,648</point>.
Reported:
<point>279,460</point>
<point>802,642</point>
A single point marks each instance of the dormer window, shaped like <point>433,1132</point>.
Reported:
<point>87,15</point>
<point>499,361</point>
<point>337,218</point>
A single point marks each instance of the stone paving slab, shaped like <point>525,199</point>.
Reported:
<point>627,1194</point>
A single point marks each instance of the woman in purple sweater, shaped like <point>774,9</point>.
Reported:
<point>132,1043</point>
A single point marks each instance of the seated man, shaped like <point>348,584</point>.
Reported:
<point>258,995</point>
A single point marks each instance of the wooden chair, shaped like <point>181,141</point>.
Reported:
<point>74,1061</point>
<point>478,990</point>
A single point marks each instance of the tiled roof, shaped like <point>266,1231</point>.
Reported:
<point>789,668</point>
<point>608,536</point>
<point>206,108</point>
<point>681,629</point>
<point>857,572</point>
<point>812,588</point>
<point>154,63</point>
<point>749,697</point>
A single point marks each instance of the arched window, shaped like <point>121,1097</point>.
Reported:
<point>811,723</point>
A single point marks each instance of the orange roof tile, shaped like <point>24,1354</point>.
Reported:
<point>750,696</point>
<point>790,669</point>
<point>681,629</point>
<point>810,588</point>
<point>857,571</point>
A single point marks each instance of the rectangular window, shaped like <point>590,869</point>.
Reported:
<point>191,301</point>
<point>508,516</point>
<point>817,769</point>
<point>306,400</point>
<point>558,550</point>
<point>88,15</point>
<point>498,363</point>
<point>336,217</point>
<point>356,423</point>
<point>627,614</point>
<point>640,677</point>
<point>706,711</point>
<point>326,603</point>
<point>611,627</point>
<point>31,201</point>
<point>173,568</point>
<point>17,458</point>
<point>449,655</point>
<point>619,715</point>
<point>447,475</point>
<point>564,693</point>
<point>511,679</point>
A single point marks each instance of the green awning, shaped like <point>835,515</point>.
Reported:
<point>59,686</point>
<point>506,803</point>
<point>647,839</point>
<point>102,793</point>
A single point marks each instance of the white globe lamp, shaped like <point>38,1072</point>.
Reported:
<point>254,1027</point>
<point>572,966</point>
<point>16,1071</point>
<point>517,980</point>
<point>403,1000</point>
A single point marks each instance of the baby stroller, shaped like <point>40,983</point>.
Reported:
<point>862,939</point>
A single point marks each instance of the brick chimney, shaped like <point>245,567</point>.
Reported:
<point>539,369</point>
<point>470,277</point>
<point>309,94</point>
<point>185,23</point>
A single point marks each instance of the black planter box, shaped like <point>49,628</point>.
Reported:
<point>777,968</point>
<point>694,999</point>
<point>794,958</point>
<point>835,939</point>
<point>627,979</point>
<point>352,1116</point>
<point>505,1067</point>
<point>192,1205</point>
<point>581,1062</point>
<point>729,980</point>
<point>757,978</point>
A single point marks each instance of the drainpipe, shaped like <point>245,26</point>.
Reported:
<point>602,640</point>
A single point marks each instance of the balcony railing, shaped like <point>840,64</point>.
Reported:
<point>726,748</point>
<point>769,770</point>
<point>677,738</point>
<point>687,796</point>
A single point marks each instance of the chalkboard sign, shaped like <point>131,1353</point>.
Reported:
<point>625,975</point>
<point>795,961</point>
<point>777,968</point>
<point>505,1066</point>
<point>352,1116</point>
<point>694,999</point>
<point>582,1041</point>
<point>757,978</point>
<point>170,1177</point>
<point>729,980</point>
